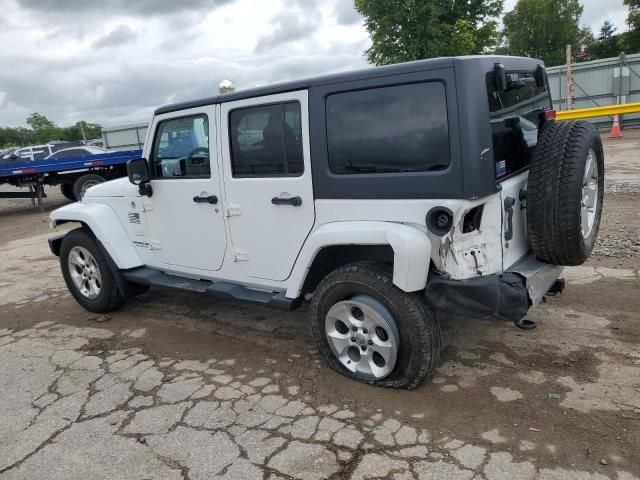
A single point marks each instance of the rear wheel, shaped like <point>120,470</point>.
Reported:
<point>67,191</point>
<point>84,182</point>
<point>87,273</point>
<point>368,329</point>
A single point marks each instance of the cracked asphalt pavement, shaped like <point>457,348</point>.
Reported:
<point>181,386</point>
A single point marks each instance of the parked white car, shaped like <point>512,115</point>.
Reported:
<point>77,152</point>
<point>393,198</point>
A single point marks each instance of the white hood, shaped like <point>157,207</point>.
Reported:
<point>114,188</point>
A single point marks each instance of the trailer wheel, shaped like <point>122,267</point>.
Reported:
<point>84,182</point>
<point>67,191</point>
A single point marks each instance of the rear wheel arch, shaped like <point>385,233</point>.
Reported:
<point>330,258</point>
<point>405,247</point>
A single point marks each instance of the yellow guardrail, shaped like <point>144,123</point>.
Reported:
<point>607,110</point>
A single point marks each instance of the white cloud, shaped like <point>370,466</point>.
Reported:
<point>120,35</point>
<point>115,61</point>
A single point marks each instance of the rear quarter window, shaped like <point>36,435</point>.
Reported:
<point>400,128</point>
<point>515,117</point>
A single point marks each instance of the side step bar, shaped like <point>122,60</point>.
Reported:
<point>156,278</point>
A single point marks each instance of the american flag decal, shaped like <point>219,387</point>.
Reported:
<point>134,217</point>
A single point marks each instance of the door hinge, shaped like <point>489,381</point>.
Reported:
<point>240,255</point>
<point>232,210</point>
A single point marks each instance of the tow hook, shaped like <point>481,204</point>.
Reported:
<point>523,324</point>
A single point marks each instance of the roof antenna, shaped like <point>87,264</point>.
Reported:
<point>226,86</point>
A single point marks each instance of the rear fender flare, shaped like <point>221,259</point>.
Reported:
<point>104,224</point>
<point>411,248</point>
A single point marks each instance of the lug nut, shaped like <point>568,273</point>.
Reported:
<point>363,348</point>
<point>364,330</point>
<point>370,342</point>
<point>355,329</point>
<point>353,339</point>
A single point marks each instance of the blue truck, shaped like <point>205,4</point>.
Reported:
<point>73,174</point>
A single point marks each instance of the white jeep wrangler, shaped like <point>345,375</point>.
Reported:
<point>391,197</point>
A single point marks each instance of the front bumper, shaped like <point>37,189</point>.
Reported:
<point>508,295</point>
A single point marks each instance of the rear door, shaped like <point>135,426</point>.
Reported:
<point>267,176</point>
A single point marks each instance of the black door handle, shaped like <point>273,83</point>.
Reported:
<point>295,201</point>
<point>212,199</point>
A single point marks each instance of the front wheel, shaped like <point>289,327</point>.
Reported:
<point>368,329</point>
<point>87,273</point>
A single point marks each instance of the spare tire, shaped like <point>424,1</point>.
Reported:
<point>564,193</point>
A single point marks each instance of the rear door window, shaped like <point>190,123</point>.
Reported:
<point>515,117</point>
<point>401,128</point>
<point>266,141</point>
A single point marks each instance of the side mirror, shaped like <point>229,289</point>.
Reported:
<point>501,77</point>
<point>138,173</point>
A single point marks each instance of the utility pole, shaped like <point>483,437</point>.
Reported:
<point>81,125</point>
<point>569,88</point>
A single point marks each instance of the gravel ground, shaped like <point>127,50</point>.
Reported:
<point>177,385</point>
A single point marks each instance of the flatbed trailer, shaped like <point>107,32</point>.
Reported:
<point>73,174</point>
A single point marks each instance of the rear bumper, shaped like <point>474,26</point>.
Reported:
<point>508,295</point>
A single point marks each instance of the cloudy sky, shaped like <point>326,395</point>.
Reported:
<point>114,61</point>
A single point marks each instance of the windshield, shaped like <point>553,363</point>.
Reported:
<point>515,116</point>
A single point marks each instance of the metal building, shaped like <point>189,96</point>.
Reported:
<point>607,81</point>
<point>125,137</point>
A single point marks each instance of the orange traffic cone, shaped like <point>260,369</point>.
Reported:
<point>615,128</point>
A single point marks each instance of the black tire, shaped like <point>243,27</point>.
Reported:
<point>554,192</point>
<point>67,191</point>
<point>85,181</point>
<point>109,298</point>
<point>419,330</point>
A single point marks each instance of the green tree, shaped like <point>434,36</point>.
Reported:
<point>607,43</point>
<point>543,28</point>
<point>405,30</point>
<point>630,40</point>
<point>45,130</point>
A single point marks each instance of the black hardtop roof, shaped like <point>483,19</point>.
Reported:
<point>486,61</point>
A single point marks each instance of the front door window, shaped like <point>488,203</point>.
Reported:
<point>181,148</point>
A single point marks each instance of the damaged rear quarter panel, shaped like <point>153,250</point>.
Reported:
<point>467,255</point>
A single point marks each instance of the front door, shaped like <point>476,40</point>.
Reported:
<point>267,176</point>
<point>184,213</point>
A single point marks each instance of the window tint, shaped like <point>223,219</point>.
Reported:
<point>24,153</point>
<point>391,129</point>
<point>266,141</point>
<point>40,153</point>
<point>181,148</point>
<point>74,152</point>
<point>514,120</point>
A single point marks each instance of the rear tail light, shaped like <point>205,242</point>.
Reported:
<point>548,115</point>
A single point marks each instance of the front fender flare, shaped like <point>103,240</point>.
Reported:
<point>411,249</point>
<point>104,224</point>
